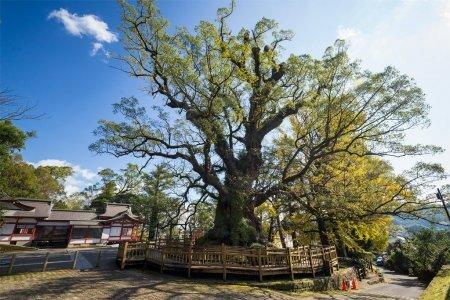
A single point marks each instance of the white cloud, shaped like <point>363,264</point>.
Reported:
<point>348,33</point>
<point>86,25</point>
<point>445,13</point>
<point>80,179</point>
<point>95,47</point>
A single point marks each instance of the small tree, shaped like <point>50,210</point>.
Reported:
<point>156,207</point>
<point>120,187</point>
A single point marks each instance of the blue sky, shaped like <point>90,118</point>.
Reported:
<point>49,64</point>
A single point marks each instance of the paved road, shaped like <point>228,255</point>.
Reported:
<point>396,286</point>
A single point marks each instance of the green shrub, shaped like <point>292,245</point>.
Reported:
<point>430,250</point>
<point>425,252</point>
<point>398,261</point>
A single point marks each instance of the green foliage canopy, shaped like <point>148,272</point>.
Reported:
<point>226,95</point>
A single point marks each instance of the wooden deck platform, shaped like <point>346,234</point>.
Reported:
<point>229,260</point>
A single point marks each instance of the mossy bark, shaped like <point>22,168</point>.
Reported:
<point>235,220</point>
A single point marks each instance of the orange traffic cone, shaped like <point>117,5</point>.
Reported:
<point>353,284</point>
<point>344,285</point>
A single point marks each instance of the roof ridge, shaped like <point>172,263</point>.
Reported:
<point>74,210</point>
<point>24,199</point>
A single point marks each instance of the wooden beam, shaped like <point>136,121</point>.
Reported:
<point>74,264</point>
<point>124,256</point>
<point>311,261</point>
<point>189,260</point>
<point>260,265</point>
<point>289,259</point>
<point>163,256</point>
<point>99,255</point>
<point>224,261</point>
<point>11,263</point>
<point>44,266</point>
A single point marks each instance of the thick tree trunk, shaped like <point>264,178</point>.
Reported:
<point>342,250</point>
<point>235,222</point>
<point>323,234</point>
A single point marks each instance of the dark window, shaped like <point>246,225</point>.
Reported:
<point>52,233</point>
<point>97,233</point>
<point>78,233</point>
<point>86,233</point>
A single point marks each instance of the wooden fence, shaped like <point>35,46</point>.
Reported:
<point>42,261</point>
<point>229,260</point>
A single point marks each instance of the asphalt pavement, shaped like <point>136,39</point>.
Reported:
<point>396,286</point>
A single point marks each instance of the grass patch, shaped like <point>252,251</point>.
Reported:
<point>439,287</point>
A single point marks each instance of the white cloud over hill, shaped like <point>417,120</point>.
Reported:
<point>80,179</point>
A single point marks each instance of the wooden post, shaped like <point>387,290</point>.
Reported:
<point>335,254</point>
<point>260,265</point>
<point>99,256</point>
<point>147,246</point>
<point>11,263</point>
<point>323,260</point>
<point>289,261</point>
<point>162,260</point>
<point>44,266</point>
<point>204,255</point>
<point>224,261</point>
<point>124,256</point>
<point>74,264</point>
<point>311,261</point>
<point>189,260</point>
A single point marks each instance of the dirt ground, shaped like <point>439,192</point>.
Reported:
<point>136,284</point>
<point>128,284</point>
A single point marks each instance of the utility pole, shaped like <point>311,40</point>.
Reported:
<point>440,197</point>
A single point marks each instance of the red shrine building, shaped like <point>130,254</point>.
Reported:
<point>35,222</point>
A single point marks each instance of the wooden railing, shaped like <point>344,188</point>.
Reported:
<point>228,259</point>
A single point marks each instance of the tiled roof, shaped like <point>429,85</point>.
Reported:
<point>113,209</point>
<point>37,208</point>
<point>41,208</point>
<point>60,214</point>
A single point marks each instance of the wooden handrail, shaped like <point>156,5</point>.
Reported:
<point>186,255</point>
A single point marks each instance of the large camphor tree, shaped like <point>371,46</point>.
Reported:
<point>223,97</point>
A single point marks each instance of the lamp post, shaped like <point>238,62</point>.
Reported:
<point>440,197</point>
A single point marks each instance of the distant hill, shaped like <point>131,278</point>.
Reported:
<point>406,227</point>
